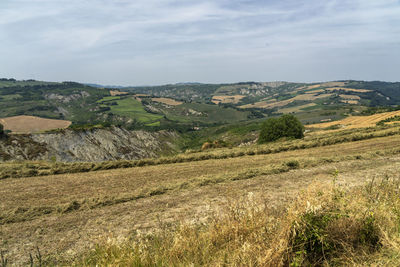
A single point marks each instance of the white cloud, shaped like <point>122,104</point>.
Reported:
<point>51,38</point>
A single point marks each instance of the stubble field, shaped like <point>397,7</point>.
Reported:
<point>67,215</point>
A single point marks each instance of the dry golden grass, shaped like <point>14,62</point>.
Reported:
<point>117,93</point>
<point>352,102</point>
<point>315,91</point>
<point>226,99</point>
<point>66,214</point>
<point>333,84</point>
<point>168,101</point>
<point>314,86</point>
<point>327,224</point>
<point>357,121</point>
<point>296,109</point>
<point>274,104</point>
<point>31,124</point>
<point>310,97</point>
<point>350,97</point>
<point>348,89</point>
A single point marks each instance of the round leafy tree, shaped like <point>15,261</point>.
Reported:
<point>284,126</point>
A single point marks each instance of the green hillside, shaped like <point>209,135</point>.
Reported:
<point>202,105</point>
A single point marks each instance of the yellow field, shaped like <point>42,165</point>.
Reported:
<point>117,93</point>
<point>350,97</point>
<point>296,109</point>
<point>352,102</point>
<point>315,91</point>
<point>348,89</point>
<point>67,214</point>
<point>314,86</point>
<point>269,104</point>
<point>30,124</point>
<point>333,84</point>
<point>168,101</point>
<point>357,121</point>
<point>225,99</point>
<point>309,97</point>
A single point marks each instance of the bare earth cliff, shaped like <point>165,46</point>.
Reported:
<point>88,145</point>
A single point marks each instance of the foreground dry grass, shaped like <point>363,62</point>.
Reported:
<point>326,225</point>
<point>67,214</point>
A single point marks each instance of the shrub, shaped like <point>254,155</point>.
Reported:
<point>1,129</point>
<point>293,164</point>
<point>285,126</point>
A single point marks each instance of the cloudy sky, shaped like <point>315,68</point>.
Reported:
<point>146,42</point>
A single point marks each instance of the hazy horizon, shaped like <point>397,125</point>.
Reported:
<point>134,43</point>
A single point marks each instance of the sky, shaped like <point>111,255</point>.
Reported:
<point>149,42</point>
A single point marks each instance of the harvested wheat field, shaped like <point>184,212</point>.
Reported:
<point>271,104</point>
<point>352,102</point>
<point>357,121</point>
<point>296,109</point>
<point>117,93</point>
<point>67,215</point>
<point>313,86</point>
<point>226,99</point>
<point>348,89</point>
<point>31,124</point>
<point>351,97</point>
<point>333,84</point>
<point>167,101</point>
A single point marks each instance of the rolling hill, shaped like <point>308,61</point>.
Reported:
<point>185,106</point>
<point>121,205</point>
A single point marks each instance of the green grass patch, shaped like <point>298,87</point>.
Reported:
<point>108,98</point>
<point>129,107</point>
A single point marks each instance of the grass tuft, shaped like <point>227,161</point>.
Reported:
<point>326,225</point>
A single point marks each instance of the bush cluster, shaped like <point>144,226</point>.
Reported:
<point>284,126</point>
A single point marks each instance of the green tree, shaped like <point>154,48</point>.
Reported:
<point>284,126</point>
<point>1,129</point>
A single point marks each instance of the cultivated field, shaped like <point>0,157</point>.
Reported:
<point>274,104</point>
<point>357,121</point>
<point>351,97</point>
<point>30,124</point>
<point>348,89</point>
<point>168,101</point>
<point>296,109</point>
<point>333,84</point>
<point>227,99</point>
<point>65,215</point>
<point>117,93</point>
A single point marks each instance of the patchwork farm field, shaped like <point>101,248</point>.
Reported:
<point>358,121</point>
<point>274,104</point>
<point>168,101</point>
<point>131,108</point>
<point>226,99</point>
<point>31,124</point>
<point>66,215</point>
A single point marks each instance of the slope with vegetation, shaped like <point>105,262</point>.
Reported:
<point>182,210</point>
<point>189,106</point>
